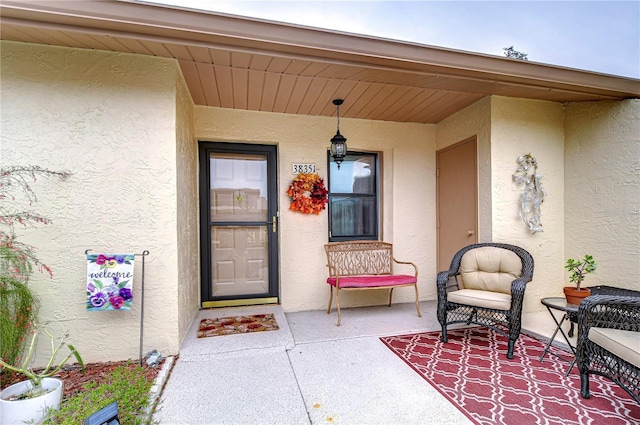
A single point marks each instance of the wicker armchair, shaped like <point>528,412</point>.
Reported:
<point>485,286</point>
<point>609,341</point>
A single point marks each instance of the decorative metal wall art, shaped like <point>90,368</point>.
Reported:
<point>533,194</point>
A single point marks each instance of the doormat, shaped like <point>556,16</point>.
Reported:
<point>237,325</point>
<point>472,371</point>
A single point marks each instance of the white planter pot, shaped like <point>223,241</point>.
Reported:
<point>33,409</point>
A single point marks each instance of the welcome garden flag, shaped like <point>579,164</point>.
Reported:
<point>109,281</point>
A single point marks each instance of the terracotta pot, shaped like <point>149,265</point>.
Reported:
<point>575,296</point>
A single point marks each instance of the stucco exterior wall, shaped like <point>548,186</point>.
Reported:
<point>110,119</point>
<point>474,120</point>
<point>188,230</point>
<point>518,127</point>
<point>126,127</point>
<point>408,160</point>
<point>602,189</point>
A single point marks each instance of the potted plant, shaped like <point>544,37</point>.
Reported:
<point>32,399</point>
<point>578,270</point>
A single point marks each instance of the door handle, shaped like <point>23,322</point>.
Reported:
<point>274,223</point>
<point>470,232</point>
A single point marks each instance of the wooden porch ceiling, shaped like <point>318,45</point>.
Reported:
<point>250,64</point>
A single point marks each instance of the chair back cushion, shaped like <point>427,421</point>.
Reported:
<point>490,269</point>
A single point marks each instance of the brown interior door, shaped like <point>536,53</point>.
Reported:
<point>457,200</point>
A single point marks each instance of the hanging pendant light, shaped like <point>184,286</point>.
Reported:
<point>338,142</point>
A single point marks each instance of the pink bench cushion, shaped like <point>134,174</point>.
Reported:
<point>372,281</point>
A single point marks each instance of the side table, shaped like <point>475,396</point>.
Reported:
<point>569,312</point>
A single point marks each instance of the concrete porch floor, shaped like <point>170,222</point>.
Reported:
<point>311,371</point>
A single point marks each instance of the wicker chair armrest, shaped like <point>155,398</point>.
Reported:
<point>443,281</point>
<point>609,311</point>
<point>518,286</point>
<point>517,294</point>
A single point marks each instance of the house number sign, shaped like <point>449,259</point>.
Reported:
<point>304,168</point>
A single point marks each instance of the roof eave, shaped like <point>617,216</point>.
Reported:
<point>191,26</point>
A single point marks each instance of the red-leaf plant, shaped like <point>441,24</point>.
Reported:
<point>18,304</point>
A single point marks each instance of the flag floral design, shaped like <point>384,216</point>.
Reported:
<point>109,281</point>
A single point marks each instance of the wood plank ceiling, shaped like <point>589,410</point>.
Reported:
<point>284,85</point>
<point>233,71</point>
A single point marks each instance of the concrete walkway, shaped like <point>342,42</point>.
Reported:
<point>310,371</point>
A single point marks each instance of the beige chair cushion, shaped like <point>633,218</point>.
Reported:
<point>489,269</point>
<point>485,299</point>
<point>624,344</point>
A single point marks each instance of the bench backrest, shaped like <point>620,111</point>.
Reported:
<point>354,258</point>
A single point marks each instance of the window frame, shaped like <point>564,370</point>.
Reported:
<point>376,196</point>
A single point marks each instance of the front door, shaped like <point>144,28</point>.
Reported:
<point>239,224</point>
<point>457,203</point>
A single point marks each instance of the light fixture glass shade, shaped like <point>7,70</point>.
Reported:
<point>338,148</point>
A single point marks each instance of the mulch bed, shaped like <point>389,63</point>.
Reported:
<point>74,378</point>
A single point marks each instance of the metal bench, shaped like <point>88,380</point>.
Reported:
<point>363,265</point>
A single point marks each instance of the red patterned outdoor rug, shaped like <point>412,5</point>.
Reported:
<point>237,325</point>
<point>472,371</point>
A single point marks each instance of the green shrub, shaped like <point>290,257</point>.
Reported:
<point>129,387</point>
<point>18,307</point>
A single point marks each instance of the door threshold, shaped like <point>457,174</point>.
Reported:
<point>236,303</point>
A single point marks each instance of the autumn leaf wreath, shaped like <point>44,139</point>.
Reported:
<point>308,194</point>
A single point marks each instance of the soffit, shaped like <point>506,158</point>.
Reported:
<point>243,63</point>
